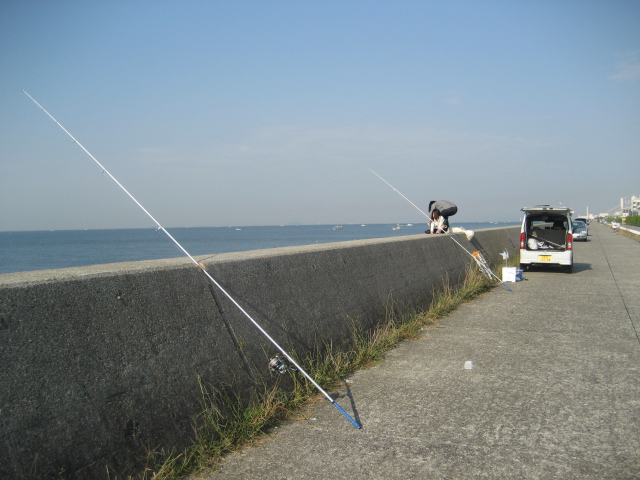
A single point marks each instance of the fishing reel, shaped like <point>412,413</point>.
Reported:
<point>276,364</point>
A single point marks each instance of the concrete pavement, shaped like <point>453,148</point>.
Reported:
<point>554,391</point>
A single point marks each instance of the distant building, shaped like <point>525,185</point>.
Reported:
<point>634,206</point>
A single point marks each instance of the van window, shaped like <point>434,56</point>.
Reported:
<point>547,222</point>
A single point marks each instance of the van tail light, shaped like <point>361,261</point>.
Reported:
<point>522,241</point>
<point>569,241</point>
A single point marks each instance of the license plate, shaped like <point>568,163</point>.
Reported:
<point>544,258</point>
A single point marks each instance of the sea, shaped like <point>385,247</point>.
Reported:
<point>40,250</point>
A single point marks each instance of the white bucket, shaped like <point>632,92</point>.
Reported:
<point>511,274</point>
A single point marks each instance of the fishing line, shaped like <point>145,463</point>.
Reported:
<point>346,175</point>
<point>477,256</point>
<point>211,279</point>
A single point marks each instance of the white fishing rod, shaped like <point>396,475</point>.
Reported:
<point>482,264</point>
<point>274,361</point>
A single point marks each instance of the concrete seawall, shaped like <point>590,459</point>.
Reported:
<point>100,364</point>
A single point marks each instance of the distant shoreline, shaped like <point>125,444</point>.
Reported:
<point>496,224</point>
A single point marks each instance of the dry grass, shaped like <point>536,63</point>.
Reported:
<point>626,233</point>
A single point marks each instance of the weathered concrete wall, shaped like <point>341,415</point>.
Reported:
<point>101,364</point>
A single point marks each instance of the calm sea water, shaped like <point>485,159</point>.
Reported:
<point>26,251</point>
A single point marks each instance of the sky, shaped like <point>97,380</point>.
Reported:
<point>214,113</point>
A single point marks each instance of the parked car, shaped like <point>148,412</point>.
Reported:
<point>580,231</point>
<point>546,237</point>
<point>586,222</point>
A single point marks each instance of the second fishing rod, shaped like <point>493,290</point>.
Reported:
<point>477,256</point>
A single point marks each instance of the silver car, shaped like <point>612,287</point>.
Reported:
<point>580,231</point>
<point>583,220</point>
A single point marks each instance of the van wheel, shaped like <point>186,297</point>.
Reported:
<point>524,267</point>
<point>568,268</point>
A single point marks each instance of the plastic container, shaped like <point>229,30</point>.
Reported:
<point>511,274</point>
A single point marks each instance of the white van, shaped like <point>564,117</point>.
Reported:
<point>546,237</point>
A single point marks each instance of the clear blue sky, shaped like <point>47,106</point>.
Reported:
<point>272,112</point>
